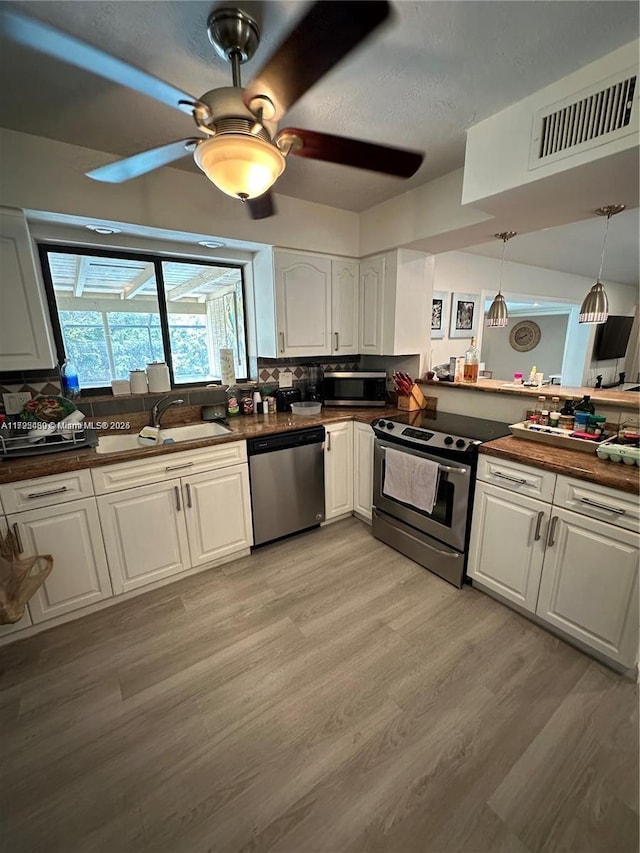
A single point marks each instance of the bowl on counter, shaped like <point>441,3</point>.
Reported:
<point>306,408</point>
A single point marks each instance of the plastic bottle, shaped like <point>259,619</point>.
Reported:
<point>257,403</point>
<point>69,380</point>
<point>532,375</point>
<point>233,408</point>
<point>471,362</point>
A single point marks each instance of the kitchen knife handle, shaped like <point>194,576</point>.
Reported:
<point>281,341</point>
<point>176,490</point>
<point>336,339</point>
<point>552,531</point>
<point>536,535</point>
<point>16,533</point>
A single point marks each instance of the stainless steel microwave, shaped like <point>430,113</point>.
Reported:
<point>354,388</point>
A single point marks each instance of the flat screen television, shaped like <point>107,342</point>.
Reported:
<point>612,338</point>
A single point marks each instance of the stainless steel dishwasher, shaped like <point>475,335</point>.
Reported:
<point>287,483</point>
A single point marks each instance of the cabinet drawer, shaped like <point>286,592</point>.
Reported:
<point>46,491</point>
<point>611,505</point>
<point>127,475</point>
<point>515,477</point>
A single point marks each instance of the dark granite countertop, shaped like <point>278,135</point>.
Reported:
<point>572,463</point>
<point>242,427</point>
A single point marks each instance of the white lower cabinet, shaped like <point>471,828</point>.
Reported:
<point>363,437</point>
<point>145,534</point>
<point>575,571</point>
<point>218,513</point>
<point>507,544</point>
<point>159,530</point>
<point>338,470</point>
<point>70,532</point>
<point>589,585</point>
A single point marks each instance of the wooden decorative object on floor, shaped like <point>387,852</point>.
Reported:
<point>18,581</point>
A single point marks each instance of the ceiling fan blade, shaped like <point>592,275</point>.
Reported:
<point>324,36</point>
<point>261,207</point>
<point>353,152</point>
<point>145,161</point>
<point>47,39</point>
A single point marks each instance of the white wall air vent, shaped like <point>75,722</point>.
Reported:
<point>605,111</point>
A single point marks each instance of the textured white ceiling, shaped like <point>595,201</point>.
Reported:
<point>420,82</point>
<point>576,248</point>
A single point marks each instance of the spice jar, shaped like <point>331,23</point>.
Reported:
<point>246,404</point>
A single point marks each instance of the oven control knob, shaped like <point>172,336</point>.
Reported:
<point>390,424</point>
<point>381,423</point>
<point>460,442</point>
<point>448,440</point>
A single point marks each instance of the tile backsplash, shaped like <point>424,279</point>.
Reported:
<point>33,382</point>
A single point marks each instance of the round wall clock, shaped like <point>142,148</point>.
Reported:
<point>525,336</point>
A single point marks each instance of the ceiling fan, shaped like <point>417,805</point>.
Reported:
<point>242,151</point>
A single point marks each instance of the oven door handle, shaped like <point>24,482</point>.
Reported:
<point>446,469</point>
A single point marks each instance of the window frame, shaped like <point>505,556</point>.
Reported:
<point>148,257</point>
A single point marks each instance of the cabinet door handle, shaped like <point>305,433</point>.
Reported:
<point>603,506</point>
<point>177,467</point>
<point>536,535</point>
<point>176,490</point>
<point>188,488</point>
<point>281,341</point>
<point>16,533</point>
<point>552,532</point>
<point>328,441</point>
<point>47,492</point>
<point>518,480</point>
<point>337,347</point>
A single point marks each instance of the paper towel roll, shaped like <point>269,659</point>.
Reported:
<point>227,367</point>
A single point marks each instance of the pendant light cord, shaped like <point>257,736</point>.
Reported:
<point>604,243</point>
<point>504,248</point>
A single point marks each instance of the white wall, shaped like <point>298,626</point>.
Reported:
<point>500,357</point>
<point>468,273</point>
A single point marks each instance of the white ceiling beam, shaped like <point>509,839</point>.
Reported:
<point>204,277</point>
<point>82,269</point>
<point>139,282</point>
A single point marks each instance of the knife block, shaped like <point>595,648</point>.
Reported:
<point>413,401</point>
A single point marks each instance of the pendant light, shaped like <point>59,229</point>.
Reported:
<point>595,307</point>
<point>497,314</point>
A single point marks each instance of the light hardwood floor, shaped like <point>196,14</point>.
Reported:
<point>325,695</point>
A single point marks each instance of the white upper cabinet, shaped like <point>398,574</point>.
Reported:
<point>26,342</point>
<point>395,299</point>
<point>303,304</point>
<point>344,307</point>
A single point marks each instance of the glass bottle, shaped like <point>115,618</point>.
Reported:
<point>554,412</point>
<point>568,407</point>
<point>233,407</point>
<point>69,380</point>
<point>585,405</point>
<point>471,363</point>
<point>541,411</point>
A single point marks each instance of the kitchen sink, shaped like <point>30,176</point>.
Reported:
<point>190,432</point>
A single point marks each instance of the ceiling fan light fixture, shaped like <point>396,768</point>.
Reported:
<point>595,306</point>
<point>241,165</point>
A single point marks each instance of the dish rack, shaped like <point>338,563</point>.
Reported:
<point>13,445</point>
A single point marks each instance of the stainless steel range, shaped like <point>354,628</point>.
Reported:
<point>437,539</point>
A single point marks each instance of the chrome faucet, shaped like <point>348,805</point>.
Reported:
<point>158,410</point>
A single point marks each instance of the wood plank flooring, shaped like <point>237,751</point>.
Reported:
<point>325,695</point>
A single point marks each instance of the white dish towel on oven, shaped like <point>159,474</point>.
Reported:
<point>410,479</point>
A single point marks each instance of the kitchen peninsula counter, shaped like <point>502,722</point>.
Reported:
<point>572,463</point>
<point>600,396</point>
<point>242,428</point>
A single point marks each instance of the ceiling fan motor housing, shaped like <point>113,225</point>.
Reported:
<point>229,113</point>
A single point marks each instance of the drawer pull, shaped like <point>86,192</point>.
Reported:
<point>518,480</point>
<point>45,494</point>
<point>552,530</point>
<point>188,488</point>
<point>16,533</point>
<point>177,467</point>
<point>176,490</point>
<point>614,509</point>
<point>536,535</point>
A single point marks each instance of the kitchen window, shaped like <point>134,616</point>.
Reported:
<point>113,312</point>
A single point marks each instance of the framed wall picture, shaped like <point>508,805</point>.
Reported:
<point>464,315</point>
<point>439,313</point>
